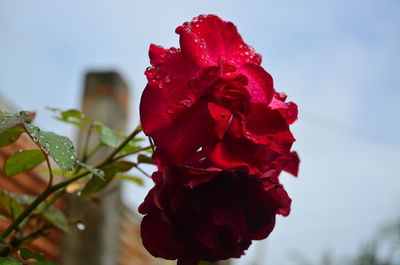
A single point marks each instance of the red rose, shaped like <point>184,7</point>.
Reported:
<point>213,97</point>
<point>201,214</point>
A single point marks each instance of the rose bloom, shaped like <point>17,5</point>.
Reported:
<point>208,214</point>
<point>213,97</point>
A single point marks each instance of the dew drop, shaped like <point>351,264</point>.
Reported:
<point>81,225</point>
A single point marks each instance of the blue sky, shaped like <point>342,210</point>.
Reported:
<point>338,60</point>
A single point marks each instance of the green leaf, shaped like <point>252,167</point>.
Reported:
<point>43,263</point>
<point>22,161</point>
<point>28,254</point>
<point>10,135</point>
<point>10,204</point>
<point>132,145</point>
<point>96,184</point>
<point>4,245</point>
<point>76,123</point>
<point>2,217</point>
<point>8,261</point>
<point>57,172</point>
<point>56,217</point>
<point>23,199</point>
<point>139,181</point>
<point>72,116</point>
<point>144,159</point>
<point>108,136</point>
<point>8,120</point>
<point>95,171</point>
<point>74,113</point>
<point>60,148</point>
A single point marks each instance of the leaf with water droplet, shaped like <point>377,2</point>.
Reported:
<point>96,184</point>
<point>95,171</point>
<point>8,120</point>
<point>64,155</point>
<point>10,135</point>
<point>22,161</point>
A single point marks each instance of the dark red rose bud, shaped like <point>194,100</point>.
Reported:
<point>199,214</point>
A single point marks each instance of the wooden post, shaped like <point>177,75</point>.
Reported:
<point>105,99</point>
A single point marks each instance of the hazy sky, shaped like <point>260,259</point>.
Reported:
<point>338,60</point>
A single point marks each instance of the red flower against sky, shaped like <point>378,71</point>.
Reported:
<point>222,138</point>
<point>213,96</point>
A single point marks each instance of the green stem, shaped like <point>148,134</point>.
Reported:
<point>86,145</point>
<point>141,170</point>
<point>125,142</point>
<point>50,189</point>
<point>17,242</point>
<point>132,152</point>
<point>57,195</point>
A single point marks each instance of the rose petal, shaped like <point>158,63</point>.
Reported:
<point>293,166</point>
<point>221,119</point>
<point>207,39</point>
<point>163,241</point>
<point>260,86</point>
